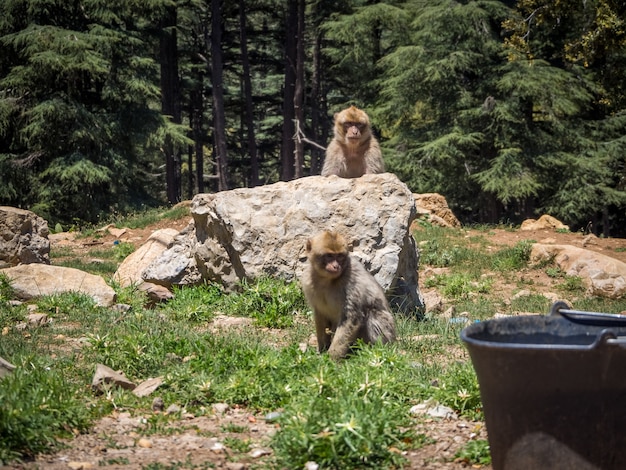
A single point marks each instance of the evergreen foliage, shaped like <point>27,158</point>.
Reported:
<point>508,109</point>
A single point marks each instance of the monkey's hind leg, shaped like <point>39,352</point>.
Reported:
<point>381,327</point>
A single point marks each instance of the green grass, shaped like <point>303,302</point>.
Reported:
<point>350,415</point>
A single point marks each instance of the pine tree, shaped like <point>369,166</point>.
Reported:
<point>76,114</point>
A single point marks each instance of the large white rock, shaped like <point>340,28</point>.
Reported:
<point>604,276</point>
<point>34,280</point>
<point>251,232</point>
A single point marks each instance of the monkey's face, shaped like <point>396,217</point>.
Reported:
<point>333,264</point>
<point>328,254</point>
<point>353,130</point>
<point>351,125</point>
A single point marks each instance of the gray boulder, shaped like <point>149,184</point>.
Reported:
<point>252,232</point>
<point>23,238</point>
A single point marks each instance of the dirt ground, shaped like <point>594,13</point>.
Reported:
<point>119,441</point>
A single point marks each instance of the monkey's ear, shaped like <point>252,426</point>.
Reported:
<point>335,116</point>
<point>308,245</point>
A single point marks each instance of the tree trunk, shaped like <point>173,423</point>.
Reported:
<point>197,119</point>
<point>298,101</point>
<point>316,98</point>
<point>247,90</point>
<point>170,100</point>
<point>288,144</point>
<point>219,119</point>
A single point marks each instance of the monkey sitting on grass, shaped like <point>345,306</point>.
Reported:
<point>347,302</point>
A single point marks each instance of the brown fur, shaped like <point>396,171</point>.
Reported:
<point>347,302</point>
<point>354,151</point>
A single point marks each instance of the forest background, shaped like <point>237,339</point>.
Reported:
<point>508,108</point>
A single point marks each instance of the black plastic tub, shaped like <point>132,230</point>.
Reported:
<point>553,389</point>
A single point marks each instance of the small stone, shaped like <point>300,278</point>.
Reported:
<point>221,408</point>
<point>146,387</point>
<point>145,443</point>
<point>37,319</point>
<point>216,446</point>
<point>80,465</point>
<point>311,465</point>
<point>273,416</point>
<point>172,409</point>
<point>235,466</point>
<point>157,404</point>
<point>260,452</point>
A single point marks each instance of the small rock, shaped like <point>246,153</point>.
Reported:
<point>146,387</point>
<point>121,307</point>
<point>235,466</point>
<point>220,408</point>
<point>433,409</point>
<point>172,409</point>
<point>106,375</point>
<point>80,465</point>
<point>259,452</point>
<point>215,445</point>
<point>272,416</point>
<point>157,404</point>
<point>311,466</point>
<point>37,319</point>
<point>145,443</point>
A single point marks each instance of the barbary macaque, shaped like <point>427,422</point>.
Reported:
<point>347,301</point>
<point>354,151</point>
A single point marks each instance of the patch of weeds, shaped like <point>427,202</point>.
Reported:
<point>562,230</point>
<point>143,218</point>
<point>105,268</point>
<point>64,303</point>
<point>350,415</point>
<point>6,289</point>
<point>572,284</point>
<point>479,307</point>
<point>122,250</point>
<point>458,389</point>
<point>437,253</point>
<point>38,407</point>
<point>238,445</point>
<point>158,424</point>
<point>271,302</point>
<point>117,461</point>
<point>513,258</point>
<point>554,272</point>
<point>234,428</point>
<point>530,303</point>
<point>475,452</point>
<point>459,285</point>
<point>194,305</point>
<point>620,249</point>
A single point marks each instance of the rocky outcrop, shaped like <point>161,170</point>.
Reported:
<point>545,222</point>
<point>23,238</point>
<point>604,276</point>
<point>34,280</point>
<point>252,232</point>
<point>435,207</point>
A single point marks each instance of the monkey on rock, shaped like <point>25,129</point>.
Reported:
<point>354,151</point>
<point>347,302</point>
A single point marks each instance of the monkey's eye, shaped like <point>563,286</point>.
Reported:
<point>359,125</point>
